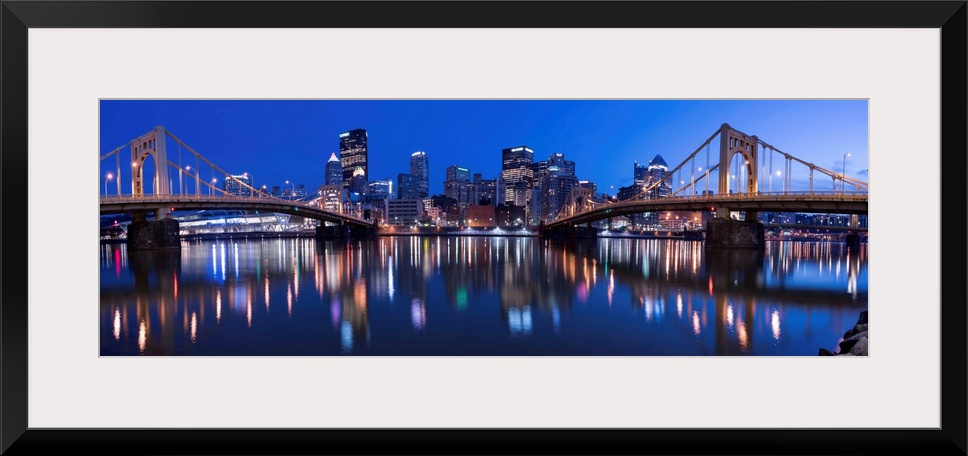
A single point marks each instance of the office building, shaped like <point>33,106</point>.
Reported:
<point>420,170</point>
<point>334,171</point>
<point>353,155</point>
<point>517,174</point>
<point>233,185</point>
<point>408,186</point>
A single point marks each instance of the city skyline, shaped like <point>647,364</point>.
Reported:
<point>292,140</point>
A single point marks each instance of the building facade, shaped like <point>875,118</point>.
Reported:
<point>353,154</point>
<point>404,211</point>
<point>408,186</point>
<point>517,168</point>
<point>420,170</point>
<point>334,171</point>
<point>233,185</point>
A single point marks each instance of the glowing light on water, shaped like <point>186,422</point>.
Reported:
<point>729,315</point>
<point>142,336</point>
<point>346,336</point>
<point>218,305</point>
<point>695,322</point>
<point>194,326</point>
<point>289,298</point>
<point>418,314</point>
<point>679,304</point>
<point>775,324</point>
<point>117,323</point>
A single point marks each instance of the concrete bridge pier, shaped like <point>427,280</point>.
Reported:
<point>161,233</point>
<point>730,234</point>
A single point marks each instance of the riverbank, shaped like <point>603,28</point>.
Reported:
<point>854,342</point>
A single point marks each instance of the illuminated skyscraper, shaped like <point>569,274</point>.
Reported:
<point>420,170</point>
<point>656,171</point>
<point>516,169</point>
<point>353,155</point>
<point>334,171</point>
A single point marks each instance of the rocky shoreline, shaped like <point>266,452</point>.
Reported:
<point>854,342</point>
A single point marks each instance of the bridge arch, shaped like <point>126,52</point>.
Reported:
<point>732,143</point>
<point>151,144</point>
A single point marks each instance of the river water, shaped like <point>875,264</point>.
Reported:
<point>467,296</point>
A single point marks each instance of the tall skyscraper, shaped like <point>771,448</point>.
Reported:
<point>459,186</point>
<point>557,180</point>
<point>353,154</point>
<point>334,171</point>
<point>357,181</point>
<point>516,168</point>
<point>639,172</point>
<point>408,186</point>
<point>420,170</point>
<point>458,174</point>
<point>657,169</point>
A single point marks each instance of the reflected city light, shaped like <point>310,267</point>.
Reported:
<point>142,336</point>
<point>117,323</point>
<point>418,314</point>
<point>194,327</point>
<point>744,341</point>
<point>775,324</point>
<point>496,295</point>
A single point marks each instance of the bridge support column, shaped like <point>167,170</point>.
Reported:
<point>153,235</point>
<point>726,233</point>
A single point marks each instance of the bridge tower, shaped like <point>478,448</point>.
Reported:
<point>162,232</point>
<point>722,231</point>
<point>732,142</point>
<point>150,144</point>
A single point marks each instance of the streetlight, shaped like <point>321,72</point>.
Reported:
<point>844,173</point>
<point>293,193</point>
<point>106,179</point>
<point>188,170</point>
<point>211,189</point>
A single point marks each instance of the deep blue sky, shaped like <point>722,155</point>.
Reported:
<point>279,140</point>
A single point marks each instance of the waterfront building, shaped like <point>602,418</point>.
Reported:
<point>334,171</point>
<point>233,185</point>
<point>420,170</point>
<point>509,215</point>
<point>480,216</point>
<point>353,155</point>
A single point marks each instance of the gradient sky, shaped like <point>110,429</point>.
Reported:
<point>291,140</point>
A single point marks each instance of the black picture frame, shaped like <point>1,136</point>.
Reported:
<point>17,16</point>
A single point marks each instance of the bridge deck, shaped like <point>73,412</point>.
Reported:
<point>128,204</point>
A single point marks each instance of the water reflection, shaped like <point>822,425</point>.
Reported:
<point>481,296</point>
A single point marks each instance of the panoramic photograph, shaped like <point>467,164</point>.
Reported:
<point>483,227</point>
